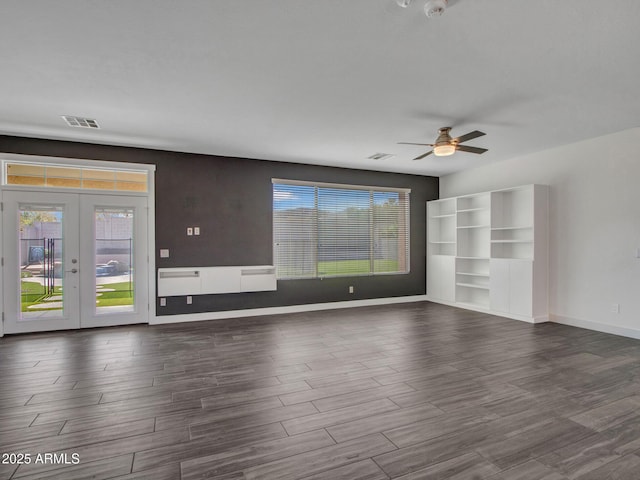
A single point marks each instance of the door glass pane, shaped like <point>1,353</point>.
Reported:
<point>114,259</point>
<point>40,250</point>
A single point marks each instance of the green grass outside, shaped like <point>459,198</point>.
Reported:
<point>356,267</point>
<point>348,267</point>
<point>120,296</point>
<point>33,293</point>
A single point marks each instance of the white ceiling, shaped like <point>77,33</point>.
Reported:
<point>326,82</point>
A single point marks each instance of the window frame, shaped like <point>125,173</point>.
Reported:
<point>79,164</point>
<point>372,191</point>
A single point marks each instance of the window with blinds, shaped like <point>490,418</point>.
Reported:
<point>330,230</point>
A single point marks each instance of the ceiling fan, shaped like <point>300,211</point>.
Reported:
<point>445,145</point>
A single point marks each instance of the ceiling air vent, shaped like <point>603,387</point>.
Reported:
<point>80,122</point>
<point>380,156</point>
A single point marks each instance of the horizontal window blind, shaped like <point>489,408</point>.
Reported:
<point>71,176</point>
<point>328,230</point>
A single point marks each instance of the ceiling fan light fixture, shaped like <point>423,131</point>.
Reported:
<point>403,3</point>
<point>444,150</point>
<point>445,145</point>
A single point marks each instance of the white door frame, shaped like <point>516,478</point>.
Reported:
<point>87,254</point>
<point>69,315</point>
<point>150,194</point>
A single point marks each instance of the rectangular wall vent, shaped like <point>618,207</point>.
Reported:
<point>380,156</point>
<point>80,122</point>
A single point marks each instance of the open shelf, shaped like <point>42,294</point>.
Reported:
<point>442,208</point>
<point>481,248</point>
<point>510,241</point>
<point>441,227</point>
<point>474,219</point>
<point>473,242</point>
<point>472,270</point>
<point>517,227</point>
<point>473,226</point>
<point>471,273</point>
<point>512,208</point>
<point>475,202</point>
<point>472,285</point>
<point>512,249</point>
<point>472,296</point>
<point>447,249</point>
<point>485,275</point>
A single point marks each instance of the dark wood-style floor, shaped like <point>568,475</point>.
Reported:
<point>414,391</point>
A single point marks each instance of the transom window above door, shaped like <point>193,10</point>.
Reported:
<point>29,174</point>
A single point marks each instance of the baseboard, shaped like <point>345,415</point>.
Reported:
<point>442,302</point>
<point>522,318</point>
<point>255,312</point>
<point>512,316</point>
<point>598,327</point>
<point>541,319</point>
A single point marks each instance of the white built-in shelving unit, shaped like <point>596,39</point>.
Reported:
<point>441,246</point>
<point>473,214</point>
<point>488,252</point>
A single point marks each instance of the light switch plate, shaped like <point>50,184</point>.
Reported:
<point>189,231</point>
<point>164,253</point>
<point>196,230</point>
<point>189,299</point>
<point>163,302</point>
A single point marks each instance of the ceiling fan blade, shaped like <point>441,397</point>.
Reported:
<point>421,144</point>
<point>469,136</point>
<point>424,155</point>
<point>466,148</point>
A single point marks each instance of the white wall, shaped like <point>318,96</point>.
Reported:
<point>594,225</point>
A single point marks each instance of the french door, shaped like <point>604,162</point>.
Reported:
<point>74,260</point>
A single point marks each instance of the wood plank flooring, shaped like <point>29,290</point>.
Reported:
<point>412,391</point>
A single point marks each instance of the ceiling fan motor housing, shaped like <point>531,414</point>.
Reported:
<point>444,138</point>
<point>435,8</point>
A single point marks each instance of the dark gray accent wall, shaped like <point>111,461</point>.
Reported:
<point>230,199</point>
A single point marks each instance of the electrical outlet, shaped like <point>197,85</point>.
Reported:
<point>189,231</point>
<point>163,302</point>
<point>189,299</point>
<point>615,308</point>
<point>196,230</point>
<point>164,253</point>
<point>351,289</point>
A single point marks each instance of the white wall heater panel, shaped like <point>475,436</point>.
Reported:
<point>258,279</point>
<point>178,281</point>
<point>211,280</point>
<point>220,280</point>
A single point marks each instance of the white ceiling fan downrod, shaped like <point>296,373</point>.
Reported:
<point>433,8</point>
